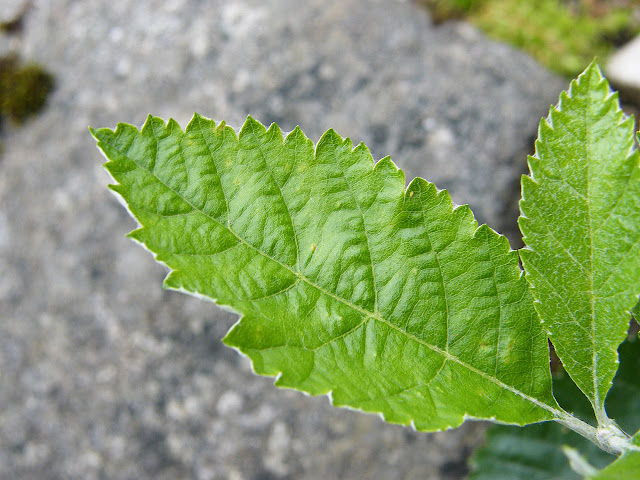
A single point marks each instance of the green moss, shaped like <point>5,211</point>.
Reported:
<point>442,10</point>
<point>563,35</point>
<point>23,88</point>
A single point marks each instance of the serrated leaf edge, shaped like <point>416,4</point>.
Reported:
<point>557,413</point>
<point>547,122</point>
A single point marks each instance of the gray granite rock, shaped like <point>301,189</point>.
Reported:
<point>105,375</point>
<point>10,10</point>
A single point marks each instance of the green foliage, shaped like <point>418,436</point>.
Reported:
<point>547,29</point>
<point>442,10</point>
<point>562,35</point>
<point>534,452</point>
<point>390,299</point>
<point>581,224</point>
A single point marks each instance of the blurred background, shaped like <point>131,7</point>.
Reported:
<point>103,375</point>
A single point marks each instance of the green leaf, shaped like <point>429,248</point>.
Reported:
<point>627,467</point>
<point>535,451</point>
<point>580,218</point>
<point>389,300</point>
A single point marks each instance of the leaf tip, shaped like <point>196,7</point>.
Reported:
<point>329,138</point>
<point>297,135</point>
<point>171,281</point>
<point>387,165</point>
<point>251,127</point>
<point>197,121</point>
<point>275,131</point>
<point>594,65</point>
<point>149,124</point>
<point>199,117</point>
<point>101,134</point>
<point>417,185</point>
<point>592,70</point>
<point>252,122</point>
<point>173,125</point>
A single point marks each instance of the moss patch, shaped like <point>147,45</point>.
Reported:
<point>24,88</point>
<point>564,35</point>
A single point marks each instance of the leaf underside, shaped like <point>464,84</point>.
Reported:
<point>580,218</point>
<point>390,300</point>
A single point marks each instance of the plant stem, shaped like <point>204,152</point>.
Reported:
<point>607,437</point>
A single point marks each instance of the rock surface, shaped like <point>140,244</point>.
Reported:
<point>103,374</point>
<point>623,70</point>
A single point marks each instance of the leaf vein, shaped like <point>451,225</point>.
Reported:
<point>375,315</point>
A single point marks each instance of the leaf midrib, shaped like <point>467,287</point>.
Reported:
<point>376,316</point>
<point>598,406</point>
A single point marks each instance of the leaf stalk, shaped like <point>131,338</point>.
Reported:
<point>609,438</point>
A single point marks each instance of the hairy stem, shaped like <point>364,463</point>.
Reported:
<point>609,438</point>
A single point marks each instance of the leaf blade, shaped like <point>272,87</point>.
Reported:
<point>582,273</point>
<point>392,300</point>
